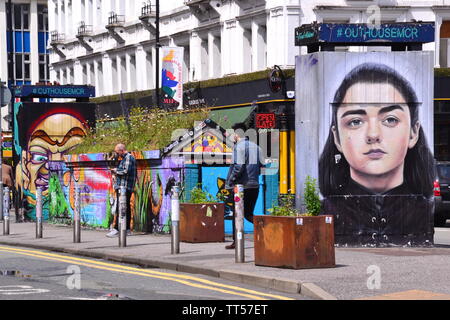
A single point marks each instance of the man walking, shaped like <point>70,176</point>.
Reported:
<point>125,177</point>
<point>245,170</point>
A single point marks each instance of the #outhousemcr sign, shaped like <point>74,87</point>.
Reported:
<point>363,33</point>
<point>55,91</point>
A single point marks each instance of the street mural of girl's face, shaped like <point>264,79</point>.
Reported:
<point>374,132</point>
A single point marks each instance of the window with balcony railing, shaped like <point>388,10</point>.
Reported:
<point>147,10</point>
<point>57,37</point>
<point>115,19</point>
<point>84,29</point>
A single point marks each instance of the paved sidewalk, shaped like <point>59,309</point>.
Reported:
<point>405,272</point>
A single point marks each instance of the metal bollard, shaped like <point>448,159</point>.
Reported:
<point>76,216</point>
<point>39,213</point>
<point>122,217</point>
<point>2,202</point>
<point>239,222</point>
<point>175,220</point>
<point>6,212</point>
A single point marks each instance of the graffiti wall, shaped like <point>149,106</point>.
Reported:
<point>150,201</point>
<point>213,182</point>
<point>370,122</point>
<point>43,133</point>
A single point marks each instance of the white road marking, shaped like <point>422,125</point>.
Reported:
<point>9,290</point>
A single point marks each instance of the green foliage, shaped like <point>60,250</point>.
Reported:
<point>285,208</point>
<point>58,207</point>
<point>312,200</point>
<point>141,204</point>
<point>109,216</point>
<point>148,130</point>
<point>198,196</point>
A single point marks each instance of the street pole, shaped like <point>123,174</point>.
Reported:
<point>39,213</point>
<point>175,220</point>
<point>157,55</point>
<point>76,216</point>
<point>12,79</point>
<point>122,217</point>
<point>239,223</point>
<point>6,213</point>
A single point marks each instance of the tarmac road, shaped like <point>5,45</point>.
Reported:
<point>49,276</point>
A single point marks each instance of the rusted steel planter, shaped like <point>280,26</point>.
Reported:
<point>294,242</point>
<point>199,224</point>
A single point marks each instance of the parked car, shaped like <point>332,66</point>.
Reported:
<point>442,194</point>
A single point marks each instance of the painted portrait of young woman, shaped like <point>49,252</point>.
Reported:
<point>376,169</point>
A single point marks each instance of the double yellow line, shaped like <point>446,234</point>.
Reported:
<point>183,279</point>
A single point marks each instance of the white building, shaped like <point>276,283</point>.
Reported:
<point>110,43</point>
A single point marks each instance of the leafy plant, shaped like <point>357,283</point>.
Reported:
<point>151,129</point>
<point>285,207</point>
<point>141,206</point>
<point>199,196</point>
<point>58,207</point>
<point>312,200</point>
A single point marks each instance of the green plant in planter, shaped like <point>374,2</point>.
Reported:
<point>312,200</point>
<point>198,196</point>
<point>285,207</point>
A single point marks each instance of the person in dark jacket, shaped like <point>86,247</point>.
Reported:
<point>245,170</point>
<point>126,174</point>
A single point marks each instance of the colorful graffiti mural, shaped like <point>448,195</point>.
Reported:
<point>150,201</point>
<point>206,143</point>
<point>213,179</point>
<point>43,133</point>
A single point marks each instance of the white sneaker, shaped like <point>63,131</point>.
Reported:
<point>114,233</point>
<point>129,233</point>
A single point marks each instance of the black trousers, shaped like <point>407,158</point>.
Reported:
<point>250,198</point>
<point>128,211</point>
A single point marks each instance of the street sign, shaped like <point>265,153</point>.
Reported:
<point>5,96</point>
<point>362,33</point>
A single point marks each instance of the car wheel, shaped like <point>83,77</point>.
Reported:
<point>439,221</point>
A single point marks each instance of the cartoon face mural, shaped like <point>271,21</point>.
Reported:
<point>366,120</point>
<point>45,134</point>
<point>49,141</point>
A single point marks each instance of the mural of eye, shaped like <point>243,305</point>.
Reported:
<point>38,158</point>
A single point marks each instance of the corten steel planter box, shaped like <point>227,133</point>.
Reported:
<point>294,242</point>
<point>198,224</point>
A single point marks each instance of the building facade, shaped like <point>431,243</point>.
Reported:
<point>28,44</point>
<point>111,43</point>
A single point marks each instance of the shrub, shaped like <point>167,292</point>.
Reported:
<point>285,207</point>
<point>312,200</point>
<point>145,130</point>
<point>198,196</point>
